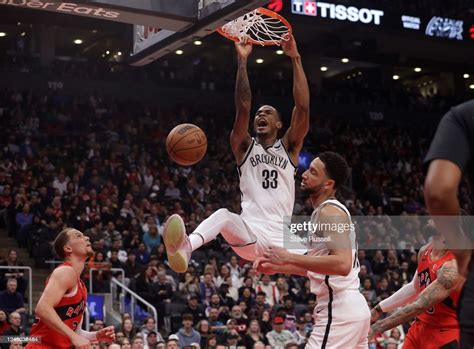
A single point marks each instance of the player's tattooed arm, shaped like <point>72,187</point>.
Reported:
<point>239,137</point>
<point>447,281</point>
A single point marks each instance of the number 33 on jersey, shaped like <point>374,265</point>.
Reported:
<point>267,182</point>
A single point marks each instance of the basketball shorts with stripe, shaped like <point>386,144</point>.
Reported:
<point>342,320</point>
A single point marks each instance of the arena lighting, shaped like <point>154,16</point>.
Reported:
<point>78,41</point>
<point>417,69</point>
<point>259,61</point>
<point>23,33</point>
<point>279,52</point>
<point>107,52</point>
<point>2,34</point>
<point>179,52</point>
<point>466,76</point>
<point>345,60</point>
<point>323,68</point>
<point>471,86</point>
<point>119,53</point>
<point>198,43</point>
<point>395,77</point>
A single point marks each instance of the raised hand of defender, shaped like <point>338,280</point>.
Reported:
<point>263,265</point>
<point>243,49</point>
<point>288,45</point>
<point>106,334</point>
<point>277,255</point>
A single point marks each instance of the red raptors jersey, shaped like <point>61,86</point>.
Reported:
<point>442,314</point>
<point>70,309</point>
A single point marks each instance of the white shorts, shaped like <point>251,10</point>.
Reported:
<point>341,321</point>
<point>266,234</point>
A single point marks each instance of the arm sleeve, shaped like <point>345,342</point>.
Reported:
<point>451,141</point>
<point>406,294</point>
<point>91,336</point>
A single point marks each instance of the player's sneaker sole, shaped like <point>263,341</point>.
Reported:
<point>174,237</point>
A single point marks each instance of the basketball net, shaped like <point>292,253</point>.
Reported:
<point>260,26</point>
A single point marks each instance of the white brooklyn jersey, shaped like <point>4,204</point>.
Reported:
<point>323,284</point>
<point>267,183</point>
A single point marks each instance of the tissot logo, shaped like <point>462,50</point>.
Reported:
<point>339,12</point>
<point>64,7</point>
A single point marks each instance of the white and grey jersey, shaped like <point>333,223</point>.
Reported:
<point>267,183</point>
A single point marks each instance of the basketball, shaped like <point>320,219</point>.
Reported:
<point>186,144</point>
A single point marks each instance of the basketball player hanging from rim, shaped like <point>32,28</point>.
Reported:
<point>266,166</point>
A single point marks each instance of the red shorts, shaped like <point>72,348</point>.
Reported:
<point>422,336</point>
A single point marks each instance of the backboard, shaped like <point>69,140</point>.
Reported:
<point>152,42</point>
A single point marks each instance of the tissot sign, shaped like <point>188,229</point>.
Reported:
<point>337,11</point>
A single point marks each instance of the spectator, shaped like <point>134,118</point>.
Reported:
<point>187,334</point>
<point>195,309</point>
<point>189,287</point>
<point>173,342</point>
<point>279,337</point>
<point>122,255</point>
<point>241,320</point>
<point>125,343</point>
<point>10,299</point>
<point>143,256</point>
<point>15,327</point>
<point>271,292</point>
<point>128,329</point>
<point>301,333</point>
<point>151,238</point>
<point>217,326</point>
<point>204,330</point>
<point>207,288</point>
<point>4,324</point>
<point>12,261</point>
<point>138,343</point>
<point>132,268</point>
<point>211,341</point>
<point>160,295</point>
<point>148,327</point>
<point>151,340</point>
<point>254,335</point>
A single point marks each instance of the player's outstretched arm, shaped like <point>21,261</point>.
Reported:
<point>61,280</point>
<point>299,126</point>
<point>335,227</point>
<point>404,295</point>
<point>239,137</point>
<point>447,280</point>
<point>264,266</point>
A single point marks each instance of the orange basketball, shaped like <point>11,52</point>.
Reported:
<point>186,144</point>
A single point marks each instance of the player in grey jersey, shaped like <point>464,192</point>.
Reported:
<point>266,166</point>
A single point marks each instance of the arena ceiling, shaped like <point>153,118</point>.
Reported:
<point>321,41</point>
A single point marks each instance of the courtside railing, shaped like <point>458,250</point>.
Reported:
<point>30,282</point>
<point>134,297</point>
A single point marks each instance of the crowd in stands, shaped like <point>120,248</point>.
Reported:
<point>100,165</point>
